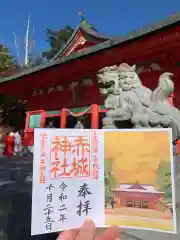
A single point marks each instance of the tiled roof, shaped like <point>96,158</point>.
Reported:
<point>171,20</point>
<point>143,188</point>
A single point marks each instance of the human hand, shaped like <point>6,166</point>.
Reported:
<point>87,232</point>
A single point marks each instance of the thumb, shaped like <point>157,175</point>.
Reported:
<point>68,235</point>
<point>87,231</point>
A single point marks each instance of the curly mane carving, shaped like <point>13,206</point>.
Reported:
<point>126,99</point>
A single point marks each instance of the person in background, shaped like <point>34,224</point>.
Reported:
<point>87,232</point>
<point>17,143</point>
<point>79,125</point>
<point>9,141</point>
<point>11,134</point>
<point>2,144</point>
<point>50,124</point>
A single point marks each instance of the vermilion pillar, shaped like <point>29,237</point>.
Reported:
<point>178,147</point>
<point>95,116</point>
<point>30,113</point>
<point>27,121</point>
<point>29,132</point>
<point>63,118</point>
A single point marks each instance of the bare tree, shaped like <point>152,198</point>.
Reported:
<point>28,45</point>
<point>26,60</point>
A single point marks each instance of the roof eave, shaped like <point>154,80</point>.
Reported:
<point>61,51</point>
<point>93,33</point>
<point>172,20</point>
<point>85,29</point>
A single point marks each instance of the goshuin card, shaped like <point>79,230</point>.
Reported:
<point>122,177</point>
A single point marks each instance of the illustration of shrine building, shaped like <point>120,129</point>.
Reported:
<point>139,196</point>
<point>65,89</point>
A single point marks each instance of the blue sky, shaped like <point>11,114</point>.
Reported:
<point>110,17</point>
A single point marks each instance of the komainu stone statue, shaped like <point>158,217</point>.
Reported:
<point>130,104</point>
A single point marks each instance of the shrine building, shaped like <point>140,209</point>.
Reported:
<point>139,196</point>
<point>66,87</point>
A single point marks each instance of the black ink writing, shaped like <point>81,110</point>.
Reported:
<point>62,217</point>
<point>62,198</point>
<point>63,186</point>
<point>62,207</point>
<point>49,198</point>
<point>48,226</point>
<point>48,209</point>
<point>48,220</point>
<point>84,205</point>
<point>49,187</point>
<point>84,190</point>
<point>83,208</point>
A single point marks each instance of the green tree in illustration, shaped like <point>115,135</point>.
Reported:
<point>110,181</point>
<point>164,178</point>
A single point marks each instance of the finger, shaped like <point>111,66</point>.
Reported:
<point>68,234</point>
<point>111,233</point>
<point>74,233</point>
<point>87,231</point>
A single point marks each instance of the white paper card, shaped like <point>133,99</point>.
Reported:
<point>123,177</point>
<point>68,179</point>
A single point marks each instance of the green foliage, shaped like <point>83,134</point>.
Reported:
<point>12,112</point>
<point>164,178</point>
<point>110,181</point>
<point>6,61</point>
<point>34,61</point>
<point>57,40</point>
<point>108,165</point>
